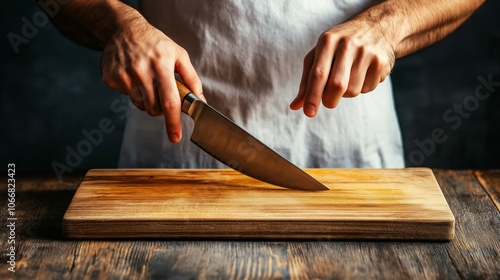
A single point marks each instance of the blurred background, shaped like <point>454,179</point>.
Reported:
<point>51,90</point>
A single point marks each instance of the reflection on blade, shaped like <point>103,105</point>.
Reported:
<point>231,145</point>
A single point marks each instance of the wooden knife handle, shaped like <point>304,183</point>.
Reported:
<point>183,90</point>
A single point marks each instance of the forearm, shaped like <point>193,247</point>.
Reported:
<point>93,22</point>
<point>414,24</point>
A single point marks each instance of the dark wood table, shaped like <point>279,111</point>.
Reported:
<point>42,252</point>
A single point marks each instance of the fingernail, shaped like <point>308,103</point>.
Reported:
<point>174,138</point>
<point>310,110</point>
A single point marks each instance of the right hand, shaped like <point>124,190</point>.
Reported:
<point>141,61</point>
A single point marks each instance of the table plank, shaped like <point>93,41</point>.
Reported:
<point>490,180</point>
<point>44,254</point>
<point>475,251</point>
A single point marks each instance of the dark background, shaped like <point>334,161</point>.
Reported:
<point>51,90</point>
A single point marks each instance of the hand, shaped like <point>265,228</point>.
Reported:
<point>350,58</point>
<point>140,61</point>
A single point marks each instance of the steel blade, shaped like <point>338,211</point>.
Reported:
<point>236,148</point>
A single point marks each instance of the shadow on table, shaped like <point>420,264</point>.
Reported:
<point>42,212</point>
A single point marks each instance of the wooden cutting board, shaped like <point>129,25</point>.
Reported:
<point>200,203</point>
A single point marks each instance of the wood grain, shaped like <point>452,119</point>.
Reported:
<point>44,254</point>
<point>183,90</point>
<point>173,203</point>
<point>476,249</point>
<point>490,180</point>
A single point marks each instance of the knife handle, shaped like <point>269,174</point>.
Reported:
<point>183,90</point>
<point>187,97</point>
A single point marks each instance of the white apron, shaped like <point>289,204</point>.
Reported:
<point>248,55</point>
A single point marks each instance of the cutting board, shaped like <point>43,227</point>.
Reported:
<point>222,203</point>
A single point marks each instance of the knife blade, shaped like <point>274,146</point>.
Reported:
<point>230,144</point>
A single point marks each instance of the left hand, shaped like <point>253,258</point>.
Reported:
<point>348,59</point>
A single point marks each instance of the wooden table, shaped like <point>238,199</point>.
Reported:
<point>42,253</point>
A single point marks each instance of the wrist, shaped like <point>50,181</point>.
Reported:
<point>124,19</point>
<point>386,21</point>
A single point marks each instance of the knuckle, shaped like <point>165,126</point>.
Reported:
<point>139,67</point>
<point>163,68</point>
<point>381,61</point>
<point>163,62</point>
<point>384,62</point>
<point>182,53</point>
<point>363,51</point>
<point>337,86</point>
<point>159,48</point>
<point>170,104</point>
<point>326,39</point>
<point>345,43</point>
<point>319,72</point>
<point>369,51</point>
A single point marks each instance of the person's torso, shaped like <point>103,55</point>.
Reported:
<point>249,55</point>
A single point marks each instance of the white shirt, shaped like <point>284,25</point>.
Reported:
<point>249,55</point>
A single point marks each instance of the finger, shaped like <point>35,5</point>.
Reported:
<point>126,81</point>
<point>136,98</point>
<point>298,102</point>
<point>188,74</point>
<point>123,83</point>
<point>340,74</point>
<point>114,81</point>
<point>372,78</point>
<point>170,102</point>
<point>134,92</point>
<point>358,73</point>
<point>318,76</point>
<point>157,97</point>
<point>144,76</point>
<point>150,98</point>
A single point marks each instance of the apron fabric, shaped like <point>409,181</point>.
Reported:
<point>249,55</point>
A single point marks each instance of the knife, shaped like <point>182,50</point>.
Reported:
<point>230,144</point>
